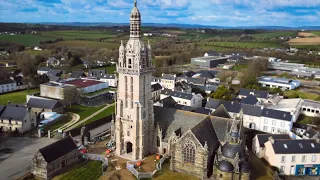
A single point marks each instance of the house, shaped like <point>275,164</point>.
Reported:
<point>193,100</point>
<point>52,61</point>
<point>208,88</point>
<point>155,80</point>
<point>155,92</point>
<point>282,83</point>
<point>310,108</point>
<point>49,160</point>
<point>251,99</point>
<point>96,73</point>
<point>20,83</point>
<point>43,70</point>
<point>292,106</point>
<point>259,94</point>
<point>16,118</point>
<point>236,59</point>
<point>7,85</point>
<point>77,74</point>
<point>54,75</point>
<point>182,86</point>
<point>37,48</point>
<point>293,157</point>
<point>11,64</point>
<point>311,134</point>
<point>39,105</point>
<point>86,63</point>
<point>167,102</point>
<point>186,74</point>
<point>111,79</point>
<point>168,81</point>
<point>258,141</point>
<point>193,81</point>
<point>206,74</point>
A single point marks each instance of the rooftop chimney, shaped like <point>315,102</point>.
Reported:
<point>271,139</point>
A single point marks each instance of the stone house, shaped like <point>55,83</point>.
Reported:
<point>39,105</point>
<point>48,161</point>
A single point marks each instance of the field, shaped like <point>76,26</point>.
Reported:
<point>249,45</point>
<point>24,39</point>
<point>306,34</point>
<point>305,41</point>
<point>90,44</point>
<point>110,110</point>
<point>91,170</point>
<point>300,94</point>
<point>276,34</point>
<point>83,111</point>
<point>60,122</point>
<point>79,34</point>
<point>317,33</point>
<point>18,97</point>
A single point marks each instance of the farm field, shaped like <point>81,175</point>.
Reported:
<point>275,34</point>
<point>79,34</point>
<point>305,41</point>
<point>317,33</point>
<point>90,44</point>
<point>249,45</point>
<point>18,97</point>
<point>27,40</point>
<point>306,34</point>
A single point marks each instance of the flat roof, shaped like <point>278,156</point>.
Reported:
<point>314,104</point>
<point>82,83</point>
<point>209,58</point>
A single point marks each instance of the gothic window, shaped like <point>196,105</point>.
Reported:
<point>128,133</point>
<point>158,141</point>
<point>189,152</point>
<point>131,92</point>
<point>126,89</point>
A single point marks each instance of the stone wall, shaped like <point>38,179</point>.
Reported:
<point>39,166</point>
<point>220,175</point>
<point>56,165</point>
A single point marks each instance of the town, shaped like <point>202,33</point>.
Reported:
<point>135,110</point>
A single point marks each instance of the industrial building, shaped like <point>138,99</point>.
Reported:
<point>208,62</point>
<point>282,83</point>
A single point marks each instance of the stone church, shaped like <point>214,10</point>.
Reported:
<point>191,140</point>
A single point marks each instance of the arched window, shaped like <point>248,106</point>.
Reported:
<point>189,151</point>
<point>158,141</point>
<point>129,61</point>
<point>221,175</point>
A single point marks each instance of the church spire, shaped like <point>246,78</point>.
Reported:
<point>135,22</point>
<point>135,3</point>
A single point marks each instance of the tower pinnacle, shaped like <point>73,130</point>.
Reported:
<point>135,3</point>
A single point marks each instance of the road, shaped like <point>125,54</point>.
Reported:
<point>19,162</point>
<point>96,131</point>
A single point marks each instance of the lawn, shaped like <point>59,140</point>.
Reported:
<point>24,39</point>
<point>109,69</point>
<point>91,170</point>
<point>301,94</point>
<point>317,33</point>
<point>60,122</point>
<point>110,110</point>
<point>239,67</point>
<point>18,97</point>
<point>276,34</point>
<point>246,45</point>
<point>33,52</point>
<point>83,111</point>
<point>79,34</point>
<point>90,44</point>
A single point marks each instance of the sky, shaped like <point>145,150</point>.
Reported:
<point>232,13</point>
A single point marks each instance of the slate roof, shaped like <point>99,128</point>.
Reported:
<point>19,80</point>
<point>231,106</point>
<point>276,114</point>
<point>108,76</point>
<point>43,103</point>
<point>54,78</point>
<point>250,99</point>
<point>77,74</point>
<point>6,81</point>
<point>221,126</point>
<point>188,74</point>
<point>206,74</point>
<point>1,108</point>
<point>208,88</point>
<point>263,138</point>
<point>54,72</point>
<point>155,87</point>
<point>168,77</point>
<point>295,146</point>
<point>194,81</point>
<point>44,69</point>
<point>177,94</point>
<point>202,110</point>
<point>310,133</point>
<point>213,53</point>
<point>14,113</point>
<point>256,93</point>
<point>251,110</point>
<point>58,149</point>
<point>168,102</point>
<point>97,72</point>
<point>221,112</point>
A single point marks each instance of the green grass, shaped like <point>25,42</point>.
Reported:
<point>305,119</point>
<point>79,34</point>
<point>90,44</point>
<point>300,94</point>
<point>24,39</point>
<point>239,67</point>
<point>276,34</point>
<point>18,97</point>
<point>110,110</point>
<point>260,170</point>
<point>317,33</point>
<point>59,122</point>
<point>109,69</point>
<point>91,170</point>
<point>246,45</point>
<point>83,111</point>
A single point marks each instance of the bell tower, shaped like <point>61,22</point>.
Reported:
<point>134,123</point>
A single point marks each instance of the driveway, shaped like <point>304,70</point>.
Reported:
<point>19,162</point>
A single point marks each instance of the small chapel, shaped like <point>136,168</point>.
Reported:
<point>202,145</point>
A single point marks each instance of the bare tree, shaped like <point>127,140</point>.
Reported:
<point>71,94</point>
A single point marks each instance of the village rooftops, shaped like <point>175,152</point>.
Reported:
<point>108,76</point>
<point>278,80</point>
<point>83,83</point>
<point>177,94</point>
<point>263,138</point>
<point>155,87</point>
<point>256,93</point>
<point>310,103</point>
<point>168,77</point>
<point>295,146</point>
<point>276,114</point>
<point>14,113</point>
<point>209,58</point>
<point>7,81</point>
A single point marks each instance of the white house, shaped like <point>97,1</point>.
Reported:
<point>293,157</point>
<point>156,91</point>
<point>311,108</point>
<point>37,48</point>
<point>259,94</point>
<point>111,79</point>
<point>43,70</point>
<point>282,83</point>
<point>289,105</point>
<point>193,100</point>
<point>20,119</point>
<point>168,81</point>
<point>52,61</point>
<point>7,85</point>
<point>259,140</point>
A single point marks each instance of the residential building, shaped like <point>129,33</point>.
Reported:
<point>236,59</point>
<point>77,74</point>
<point>11,64</point>
<point>21,84</point>
<point>168,81</point>
<point>96,73</point>
<point>182,86</point>
<point>310,108</point>
<point>7,85</point>
<point>49,160</point>
<point>208,62</point>
<point>193,100</point>
<point>208,88</point>
<point>155,92</point>
<point>311,134</point>
<point>293,156</point>
<point>292,106</point>
<point>251,100</point>
<point>111,79</point>
<point>15,118</point>
<point>193,81</point>
<point>52,61</point>
<point>208,75</point>
<point>39,104</point>
<point>282,83</point>
<point>258,141</point>
<point>43,70</point>
<point>259,94</point>
<point>54,75</point>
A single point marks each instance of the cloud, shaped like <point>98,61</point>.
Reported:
<point>205,12</point>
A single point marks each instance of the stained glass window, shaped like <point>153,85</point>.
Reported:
<point>189,152</point>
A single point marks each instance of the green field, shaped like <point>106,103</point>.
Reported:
<point>276,34</point>
<point>24,39</point>
<point>245,45</point>
<point>79,34</point>
<point>317,33</point>
<point>83,111</point>
<point>90,44</point>
<point>110,110</point>
<point>18,97</point>
<point>58,123</point>
<point>91,170</point>
<point>300,94</point>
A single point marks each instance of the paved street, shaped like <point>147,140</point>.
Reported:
<point>19,162</point>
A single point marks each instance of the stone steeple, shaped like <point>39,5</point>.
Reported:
<point>135,22</point>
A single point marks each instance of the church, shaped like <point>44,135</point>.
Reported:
<point>191,140</point>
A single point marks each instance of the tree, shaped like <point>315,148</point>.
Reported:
<point>222,92</point>
<point>28,66</point>
<point>71,94</point>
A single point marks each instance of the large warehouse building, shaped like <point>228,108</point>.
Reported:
<point>208,62</point>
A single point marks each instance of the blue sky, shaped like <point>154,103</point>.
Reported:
<point>204,12</point>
